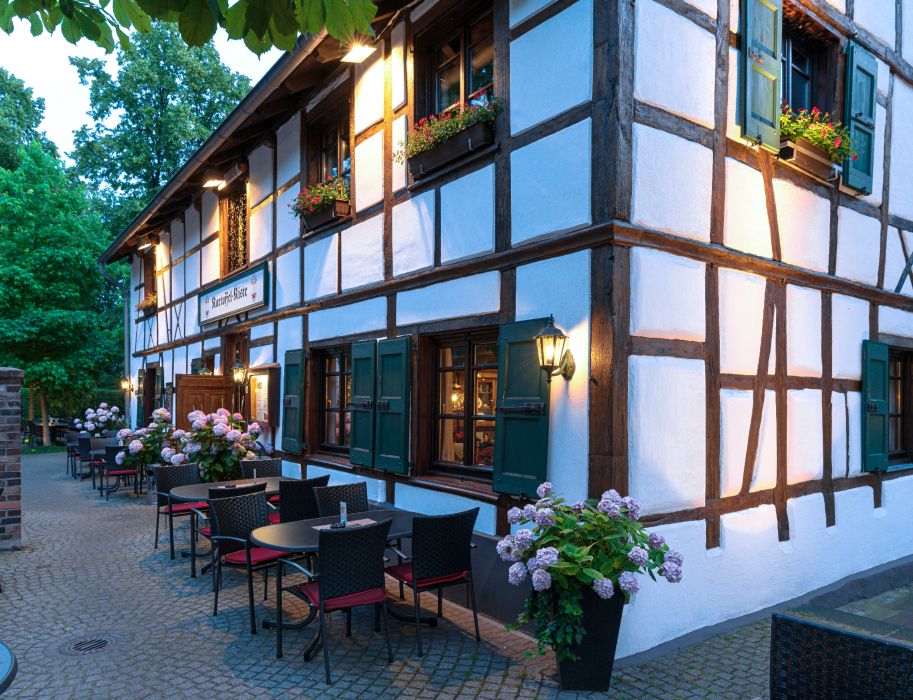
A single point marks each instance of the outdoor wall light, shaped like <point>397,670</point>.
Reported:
<point>213,178</point>
<point>239,372</point>
<point>126,385</point>
<point>358,52</point>
<point>148,241</point>
<point>553,358</point>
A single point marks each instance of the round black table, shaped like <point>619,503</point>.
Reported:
<point>200,492</point>
<point>8,667</point>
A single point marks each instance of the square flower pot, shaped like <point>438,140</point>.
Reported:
<point>337,210</point>
<point>810,159</point>
<point>476,137</point>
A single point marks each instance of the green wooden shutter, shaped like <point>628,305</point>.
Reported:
<point>391,435</point>
<point>159,386</point>
<point>140,418</point>
<point>521,424</point>
<point>860,101</point>
<point>874,406</point>
<point>361,435</point>
<point>759,71</point>
<point>196,364</point>
<point>292,402</point>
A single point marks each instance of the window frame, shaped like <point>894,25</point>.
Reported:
<point>345,354</point>
<point>822,46</point>
<point>231,192</point>
<point>904,455</point>
<point>337,122</point>
<point>150,285</point>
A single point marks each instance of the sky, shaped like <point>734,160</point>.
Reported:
<point>43,63</point>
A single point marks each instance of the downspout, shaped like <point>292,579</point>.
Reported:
<point>126,291</point>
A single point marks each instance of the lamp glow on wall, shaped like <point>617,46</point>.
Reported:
<point>357,52</point>
<point>239,372</point>
<point>554,360</point>
<point>126,385</point>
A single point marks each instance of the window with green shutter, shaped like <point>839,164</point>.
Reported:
<point>521,416</point>
<point>361,405</point>
<point>293,402</point>
<point>140,418</point>
<point>759,71</point>
<point>860,102</point>
<point>391,425</point>
<point>159,387</point>
<point>875,402</point>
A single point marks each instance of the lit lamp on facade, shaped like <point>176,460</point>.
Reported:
<point>126,385</point>
<point>239,373</point>
<point>553,358</point>
<point>357,52</point>
<point>212,178</point>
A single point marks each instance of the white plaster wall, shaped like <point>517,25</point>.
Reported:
<point>210,212</point>
<point>399,142</point>
<point>192,273</point>
<point>260,356</point>
<point>878,17</point>
<point>361,317</point>
<point>369,91</point>
<point>850,326</point>
<point>901,196</point>
<point>674,62</point>
<point>745,225</point>
<point>369,171</point>
<point>177,280</point>
<point>260,163</point>
<point>363,253</point>
<point>854,407</point>
<point>466,296</point>
<point>288,150</point>
<point>376,487</point>
<point>288,279</point>
<point>804,441</point>
<point>191,227</point>
<point>177,239</point>
<point>551,67</point>
<point>676,200</point>
<point>846,431</point>
<point>398,65</point>
<point>180,360</point>
<point>264,330</point>
<point>895,262</point>
<point>858,246</point>
<point>803,331</point>
<point>191,316</point>
<point>260,232</point>
<point>438,503</point>
<point>878,161</point>
<point>550,183</point>
<point>741,314</point>
<point>210,264</point>
<point>413,234</point>
<point>321,262</point>
<point>667,432</point>
<point>895,321</point>
<point>521,9</point>
<point>735,422</point>
<point>287,228</point>
<point>468,215</point>
<point>667,295</point>
<point>161,328</point>
<point>538,286</point>
<point>706,6</point>
<point>804,220</point>
<point>211,343</point>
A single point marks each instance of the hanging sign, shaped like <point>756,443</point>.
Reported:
<point>249,290</point>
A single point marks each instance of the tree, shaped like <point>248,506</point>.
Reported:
<point>59,321</point>
<point>20,116</point>
<point>261,24</point>
<point>165,101</point>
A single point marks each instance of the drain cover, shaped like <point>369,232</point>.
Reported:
<point>84,646</point>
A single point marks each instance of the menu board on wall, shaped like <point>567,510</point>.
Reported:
<point>249,290</point>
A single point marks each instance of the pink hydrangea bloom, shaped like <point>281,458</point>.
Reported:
<point>223,412</point>
<point>135,446</point>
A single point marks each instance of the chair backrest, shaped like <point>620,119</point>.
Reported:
<point>264,467</point>
<point>352,559</point>
<point>168,477</point>
<point>85,447</point>
<point>237,516</point>
<point>329,497</point>
<point>72,438</point>
<point>111,452</point>
<point>297,500</point>
<point>222,492</point>
<point>101,442</point>
<point>442,544</point>
<point>110,433</point>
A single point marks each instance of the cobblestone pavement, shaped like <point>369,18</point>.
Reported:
<point>88,570</point>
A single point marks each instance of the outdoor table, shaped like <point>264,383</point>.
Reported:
<point>303,537</point>
<point>8,667</point>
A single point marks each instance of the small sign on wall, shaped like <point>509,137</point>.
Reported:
<point>249,290</point>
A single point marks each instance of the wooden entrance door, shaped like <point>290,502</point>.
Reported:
<point>201,392</point>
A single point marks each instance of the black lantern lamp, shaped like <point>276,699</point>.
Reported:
<point>553,358</point>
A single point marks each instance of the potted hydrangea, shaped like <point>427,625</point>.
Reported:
<point>583,561</point>
<point>98,420</point>
<point>143,446</point>
<point>217,442</point>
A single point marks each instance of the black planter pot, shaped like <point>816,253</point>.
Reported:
<point>477,136</point>
<point>335,211</point>
<point>596,653</point>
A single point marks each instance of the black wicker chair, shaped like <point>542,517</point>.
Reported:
<point>72,443</point>
<point>355,496</point>
<point>97,462</point>
<point>264,467</point>
<point>233,519</point>
<point>810,660</point>
<point>351,575</point>
<point>297,500</point>
<point>168,477</point>
<point>112,468</point>
<point>441,557</point>
<point>199,516</point>
<point>84,457</point>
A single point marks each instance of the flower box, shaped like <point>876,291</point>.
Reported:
<point>335,211</point>
<point>474,138</point>
<point>810,159</point>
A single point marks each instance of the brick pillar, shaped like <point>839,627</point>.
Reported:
<point>10,455</point>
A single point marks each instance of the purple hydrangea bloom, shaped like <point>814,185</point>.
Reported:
<point>529,511</point>
<point>222,412</point>
<point>609,507</point>
<point>542,580</point>
<point>254,429</point>
<point>604,588</point>
<point>168,453</point>
<point>505,549</point>
<point>115,410</point>
<point>135,446</point>
<point>655,540</point>
<point>672,572</point>
<point>578,507</point>
<point>533,564</point>
<point>632,506</point>
<point>544,489</point>
<point>124,433</point>
<point>628,582</point>
<point>233,435</point>
<point>179,458</point>
<point>119,458</point>
<point>674,557</point>
<point>237,416</point>
<point>545,517</point>
<point>102,405</point>
<point>514,516</point>
<point>219,429</point>
<point>523,538</point>
<point>198,424</point>
<point>90,426</point>
<point>611,495</point>
<point>639,556</point>
<point>547,556</point>
<point>516,574</point>
<point>103,419</point>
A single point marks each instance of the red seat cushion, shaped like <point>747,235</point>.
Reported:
<point>205,531</point>
<point>258,555</point>
<point>120,472</point>
<point>311,591</point>
<point>185,507</point>
<point>273,517</point>
<point>273,499</point>
<point>403,572</point>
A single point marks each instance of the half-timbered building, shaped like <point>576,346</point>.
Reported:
<point>741,324</point>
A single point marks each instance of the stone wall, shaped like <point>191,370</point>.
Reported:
<point>10,451</point>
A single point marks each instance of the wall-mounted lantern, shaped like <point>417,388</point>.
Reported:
<point>553,358</point>
<point>239,372</point>
<point>126,385</point>
<point>148,241</point>
<point>212,179</point>
<point>357,52</point>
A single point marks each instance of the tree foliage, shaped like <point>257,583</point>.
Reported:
<point>148,120</point>
<point>261,24</point>
<point>20,116</point>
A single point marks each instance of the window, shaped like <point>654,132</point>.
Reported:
<point>466,388</point>
<point>900,425</point>
<point>149,273</point>
<point>234,211</point>
<point>463,65</point>
<point>335,160</point>
<point>335,393</point>
<point>797,71</point>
